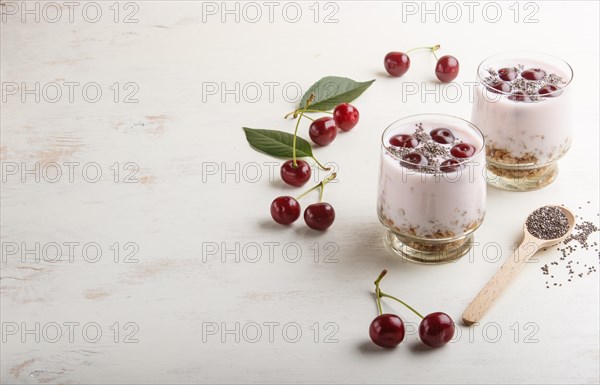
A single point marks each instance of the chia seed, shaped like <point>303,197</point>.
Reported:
<point>578,244</point>
<point>581,234</point>
<point>547,222</point>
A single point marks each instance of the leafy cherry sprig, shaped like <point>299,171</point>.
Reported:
<point>324,95</point>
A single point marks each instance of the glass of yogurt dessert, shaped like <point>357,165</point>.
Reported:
<point>522,106</point>
<point>432,187</point>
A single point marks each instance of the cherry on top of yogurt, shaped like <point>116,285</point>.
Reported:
<point>442,135</point>
<point>549,90</point>
<point>518,96</point>
<point>508,74</point>
<point>463,150</point>
<point>414,160</point>
<point>449,165</point>
<point>501,86</point>
<point>404,140</point>
<point>533,74</point>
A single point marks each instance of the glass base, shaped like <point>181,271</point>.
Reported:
<point>516,178</point>
<point>430,251</point>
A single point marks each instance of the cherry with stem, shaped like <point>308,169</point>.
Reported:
<point>436,329</point>
<point>386,330</point>
<point>323,131</point>
<point>398,63</point>
<point>297,172</point>
<point>446,67</point>
<point>319,216</point>
<point>285,210</point>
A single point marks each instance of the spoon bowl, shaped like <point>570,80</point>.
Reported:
<point>551,242</point>
<point>527,249</point>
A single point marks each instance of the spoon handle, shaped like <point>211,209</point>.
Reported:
<point>492,290</point>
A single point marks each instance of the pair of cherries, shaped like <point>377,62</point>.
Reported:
<point>285,210</point>
<point>398,63</point>
<point>387,330</point>
<point>322,131</point>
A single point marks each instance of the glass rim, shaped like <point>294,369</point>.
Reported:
<point>415,118</point>
<point>525,52</point>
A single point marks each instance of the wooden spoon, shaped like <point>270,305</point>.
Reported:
<point>492,290</point>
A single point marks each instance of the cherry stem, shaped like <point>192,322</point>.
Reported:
<point>321,193</point>
<point>308,102</point>
<point>325,112</point>
<point>432,49</point>
<point>381,275</point>
<point>377,292</point>
<point>295,112</point>
<point>320,184</point>
<point>308,117</point>
<point>320,165</point>
<point>381,294</point>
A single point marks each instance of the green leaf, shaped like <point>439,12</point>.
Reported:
<point>333,90</point>
<point>277,143</point>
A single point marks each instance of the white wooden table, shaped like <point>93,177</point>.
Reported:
<point>195,283</point>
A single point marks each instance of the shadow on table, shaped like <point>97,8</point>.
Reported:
<point>368,347</point>
<point>416,347</point>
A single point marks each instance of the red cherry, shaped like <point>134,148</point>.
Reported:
<point>508,74</point>
<point>319,216</point>
<point>446,68</point>
<point>285,210</point>
<point>549,91</point>
<point>396,63</point>
<point>533,74</point>
<point>449,165</point>
<point>346,116</point>
<point>295,175</point>
<point>436,329</point>
<point>404,140</point>
<point>463,150</point>
<point>442,135</point>
<point>518,96</point>
<point>387,330</point>
<point>414,160</point>
<point>323,131</point>
<point>501,86</point>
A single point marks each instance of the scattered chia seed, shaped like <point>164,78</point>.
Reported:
<point>547,222</point>
<point>577,244</point>
<point>581,234</point>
